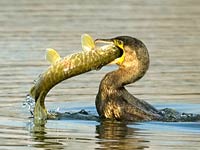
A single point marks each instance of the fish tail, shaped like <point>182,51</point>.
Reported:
<point>40,111</point>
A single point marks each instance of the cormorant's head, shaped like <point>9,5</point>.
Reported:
<point>133,49</point>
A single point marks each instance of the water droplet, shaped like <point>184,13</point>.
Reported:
<point>29,103</point>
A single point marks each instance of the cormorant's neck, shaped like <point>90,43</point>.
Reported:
<point>119,78</point>
<point>132,69</point>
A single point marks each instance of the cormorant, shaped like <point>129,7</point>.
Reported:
<point>113,101</point>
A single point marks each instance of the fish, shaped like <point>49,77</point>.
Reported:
<point>60,69</point>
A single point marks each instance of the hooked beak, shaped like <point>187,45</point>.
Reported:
<point>104,41</point>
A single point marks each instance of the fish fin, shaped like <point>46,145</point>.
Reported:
<point>87,42</point>
<point>52,55</point>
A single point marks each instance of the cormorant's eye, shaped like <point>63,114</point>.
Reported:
<point>119,43</point>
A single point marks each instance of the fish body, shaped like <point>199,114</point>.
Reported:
<point>64,68</point>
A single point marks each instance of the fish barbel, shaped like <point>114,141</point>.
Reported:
<point>91,58</point>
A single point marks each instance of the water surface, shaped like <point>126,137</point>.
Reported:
<point>169,28</point>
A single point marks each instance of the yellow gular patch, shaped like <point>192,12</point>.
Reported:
<point>120,60</point>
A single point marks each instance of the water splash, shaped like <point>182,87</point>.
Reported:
<point>171,115</point>
<point>30,104</point>
<point>167,114</point>
<point>80,115</point>
<point>57,114</point>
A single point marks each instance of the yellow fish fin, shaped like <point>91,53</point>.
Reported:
<point>52,55</point>
<point>87,42</point>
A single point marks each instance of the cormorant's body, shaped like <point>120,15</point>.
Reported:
<point>113,101</point>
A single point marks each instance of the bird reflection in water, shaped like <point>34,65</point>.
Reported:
<point>117,135</point>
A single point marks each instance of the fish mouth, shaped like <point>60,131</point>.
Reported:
<point>113,42</point>
<point>109,42</point>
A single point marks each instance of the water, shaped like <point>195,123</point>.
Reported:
<point>169,28</point>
